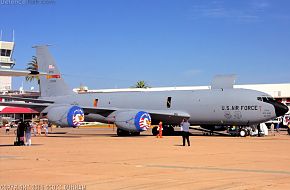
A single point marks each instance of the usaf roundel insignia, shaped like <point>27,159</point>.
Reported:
<point>142,121</point>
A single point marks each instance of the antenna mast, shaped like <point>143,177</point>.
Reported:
<point>13,36</point>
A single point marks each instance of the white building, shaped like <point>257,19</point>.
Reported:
<point>280,92</point>
<point>6,62</point>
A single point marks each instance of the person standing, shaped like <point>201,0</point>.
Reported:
<point>289,128</point>
<point>38,127</point>
<point>160,128</point>
<point>278,127</point>
<point>28,134</point>
<point>20,132</point>
<point>272,127</point>
<point>45,126</point>
<point>7,128</point>
<point>259,129</point>
<point>34,126</point>
<point>185,131</point>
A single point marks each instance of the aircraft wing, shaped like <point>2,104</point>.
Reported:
<point>19,73</point>
<point>167,116</point>
<point>170,116</point>
<point>36,106</point>
<point>26,99</point>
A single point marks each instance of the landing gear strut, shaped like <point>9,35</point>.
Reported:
<point>167,130</point>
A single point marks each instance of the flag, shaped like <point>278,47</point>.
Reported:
<point>52,76</point>
<point>51,66</point>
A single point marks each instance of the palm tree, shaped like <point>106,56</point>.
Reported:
<point>141,84</point>
<point>32,66</point>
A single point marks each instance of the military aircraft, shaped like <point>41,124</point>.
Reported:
<point>134,112</point>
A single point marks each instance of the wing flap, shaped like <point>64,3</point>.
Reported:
<point>102,111</point>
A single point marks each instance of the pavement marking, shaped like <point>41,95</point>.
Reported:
<point>220,169</point>
<point>8,157</point>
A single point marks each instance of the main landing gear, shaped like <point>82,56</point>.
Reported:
<point>240,131</point>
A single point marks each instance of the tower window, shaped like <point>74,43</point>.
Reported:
<point>5,52</point>
<point>8,52</point>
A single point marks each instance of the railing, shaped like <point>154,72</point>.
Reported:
<point>6,60</point>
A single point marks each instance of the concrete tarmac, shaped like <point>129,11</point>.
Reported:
<point>95,158</point>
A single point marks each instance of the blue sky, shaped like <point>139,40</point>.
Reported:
<point>114,43</point>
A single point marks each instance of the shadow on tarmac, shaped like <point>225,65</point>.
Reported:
<point>5,145</point>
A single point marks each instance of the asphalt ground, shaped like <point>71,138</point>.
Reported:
<point>95,158</point>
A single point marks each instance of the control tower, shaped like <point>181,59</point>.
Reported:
<point>6,62</point>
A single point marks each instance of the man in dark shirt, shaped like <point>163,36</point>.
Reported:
<point>20,132</point>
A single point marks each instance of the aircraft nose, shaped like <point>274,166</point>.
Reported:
<point>280,109</point>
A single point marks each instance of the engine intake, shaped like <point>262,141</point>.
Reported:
<point>66,116</point>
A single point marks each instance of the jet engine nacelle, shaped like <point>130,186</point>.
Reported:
<point>65,115</point>
<point>133,121</point>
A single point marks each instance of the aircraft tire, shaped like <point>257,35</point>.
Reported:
<point>121,132</point>
<point>243,133</point>
<point>171,130</point>
<point>135,134</point>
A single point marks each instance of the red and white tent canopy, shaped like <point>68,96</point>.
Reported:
<point>16,110</point>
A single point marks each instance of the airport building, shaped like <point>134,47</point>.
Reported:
<point>6,62</point>
<point>280,92</point>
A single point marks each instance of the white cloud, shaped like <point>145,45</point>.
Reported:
<point>250,11</point>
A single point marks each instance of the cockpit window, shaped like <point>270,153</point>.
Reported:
<point>266,99</point>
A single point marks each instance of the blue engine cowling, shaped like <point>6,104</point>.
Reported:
<point>66,115</point>
<point>133,121</point>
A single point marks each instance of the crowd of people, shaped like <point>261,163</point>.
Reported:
<point>25,129</point>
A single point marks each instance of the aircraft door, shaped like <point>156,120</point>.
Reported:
<point>96,102</point>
